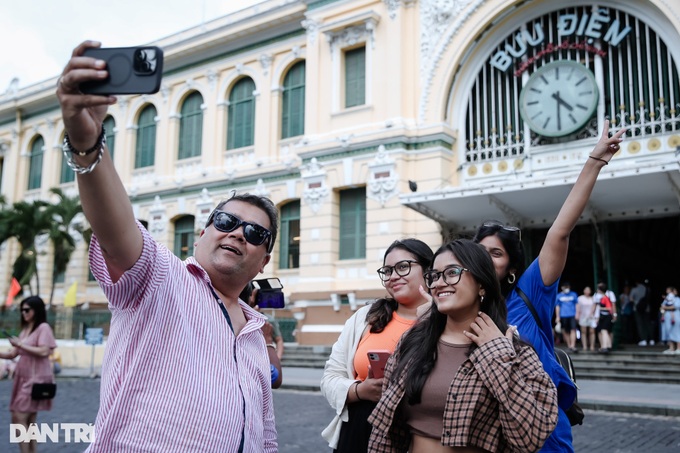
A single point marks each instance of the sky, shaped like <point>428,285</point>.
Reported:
<point>37,36</point>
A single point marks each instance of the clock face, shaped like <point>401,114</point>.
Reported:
<point>559,98</point>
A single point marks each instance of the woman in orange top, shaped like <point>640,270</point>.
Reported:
<point>346,382</point>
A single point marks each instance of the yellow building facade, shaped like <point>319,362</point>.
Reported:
<point>367,121</point>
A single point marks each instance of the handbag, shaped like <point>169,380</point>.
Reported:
<point>44,391</point>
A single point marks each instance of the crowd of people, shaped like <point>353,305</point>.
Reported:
<point>590,317</point>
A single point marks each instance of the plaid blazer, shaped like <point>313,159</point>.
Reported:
<point>500,400</point>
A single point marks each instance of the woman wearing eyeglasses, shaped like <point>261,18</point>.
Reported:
<point>540,280</point>
<point>460,380</point>
<point>347,383</point>
<point>33,346</point>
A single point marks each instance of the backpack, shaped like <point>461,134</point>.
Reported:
<point>575,412</point>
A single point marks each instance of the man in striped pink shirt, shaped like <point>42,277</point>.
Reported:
<point>186,367</point>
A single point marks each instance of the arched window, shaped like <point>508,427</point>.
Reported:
<point>146,138</point>
<point>67,175</point>
<point>35,167</point>
<point>241,114</point>
<point>184,237</point>
<point>293,111</point>
<point>289,257</point>
<point>190,126</point>
<point>110,125</point>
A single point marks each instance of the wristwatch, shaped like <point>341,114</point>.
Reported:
<point>272,345</point>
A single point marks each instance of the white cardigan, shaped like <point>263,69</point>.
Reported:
<point>338,374</point>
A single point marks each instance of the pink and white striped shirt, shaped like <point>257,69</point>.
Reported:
<point>174,376</point>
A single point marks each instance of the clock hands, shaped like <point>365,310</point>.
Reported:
<point>560,102</point>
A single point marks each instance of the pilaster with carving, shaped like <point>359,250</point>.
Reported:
<point>158,220</point>
<point>315,190</point>
<point>383,179</point>
<point>204,207</point>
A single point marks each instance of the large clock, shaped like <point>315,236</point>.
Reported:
<point>559,98</point>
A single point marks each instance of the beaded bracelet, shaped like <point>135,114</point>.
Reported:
<point>78,168</point>
<point>100,143</point>
<point>69,151</point>
<point>600,159</point>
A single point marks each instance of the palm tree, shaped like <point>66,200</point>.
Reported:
<point>25,222</point>
<point>63,242</point>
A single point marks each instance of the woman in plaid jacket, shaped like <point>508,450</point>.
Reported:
<point>461,377</point>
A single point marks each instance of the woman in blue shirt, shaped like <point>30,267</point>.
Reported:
<point>540,280</point>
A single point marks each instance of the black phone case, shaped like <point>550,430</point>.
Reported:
<point>132,70</point>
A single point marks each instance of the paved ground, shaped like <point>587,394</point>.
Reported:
<point>300,417</point>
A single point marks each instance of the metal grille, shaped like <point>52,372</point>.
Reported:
<point>638,83</point>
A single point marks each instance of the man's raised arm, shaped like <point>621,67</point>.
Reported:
<point>103,197</point>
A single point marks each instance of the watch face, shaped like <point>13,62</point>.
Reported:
<point>559,98</point>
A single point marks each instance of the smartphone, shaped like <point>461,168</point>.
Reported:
<point>269,294</point>
<point>378,359</point>
<point>132,70</point>
<point>6,334</point>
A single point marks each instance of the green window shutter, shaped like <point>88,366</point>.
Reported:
<point>184,237</point>
<point>110,125</point>
<point>35,166</point>
<point>353,224</point>
<point>289,257</point>
<point>67,175</point>
<point>146,138</point>
<point>191,127</point>
<point>241,115</point>
<point>355,77</point>
<point>293,110</point>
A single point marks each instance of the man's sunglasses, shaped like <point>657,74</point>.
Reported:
<point>253,233</point>
<point>499,225</point>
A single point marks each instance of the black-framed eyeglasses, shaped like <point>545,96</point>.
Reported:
<point>451,274</point>
<point>253,233</point>
<point>26,310</point>
<point>510,228</point>
<point>402,268</point>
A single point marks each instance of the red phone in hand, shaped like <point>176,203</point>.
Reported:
<point>377,360</point>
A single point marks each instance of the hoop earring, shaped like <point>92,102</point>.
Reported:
<point>512,280</point>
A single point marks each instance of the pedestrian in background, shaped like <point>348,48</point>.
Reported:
<point>606,319</point>
<point>461,377</point>
<point>565,315</point>
<point>670,323</point>
<point>347,383</point>
<point>640,297</point>
<point>627,315</point>
<point>585,315</point>
<point>186,367</point>
<point>33,347</point>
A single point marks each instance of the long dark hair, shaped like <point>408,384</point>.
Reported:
<point>513,246</point>
<point>417,352</point>
<point>39,313</point>
<point>381,310</point>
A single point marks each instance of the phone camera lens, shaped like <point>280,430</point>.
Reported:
<point>144,61</point>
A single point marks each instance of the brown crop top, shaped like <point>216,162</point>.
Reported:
<point>426,418</point>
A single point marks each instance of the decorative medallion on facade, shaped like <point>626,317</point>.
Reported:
<point>266,62</point>
<point>315,192</point>
<point>261,189</point>
<point>383,179</point>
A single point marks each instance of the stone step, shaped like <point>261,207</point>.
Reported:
<point>627,377</point>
